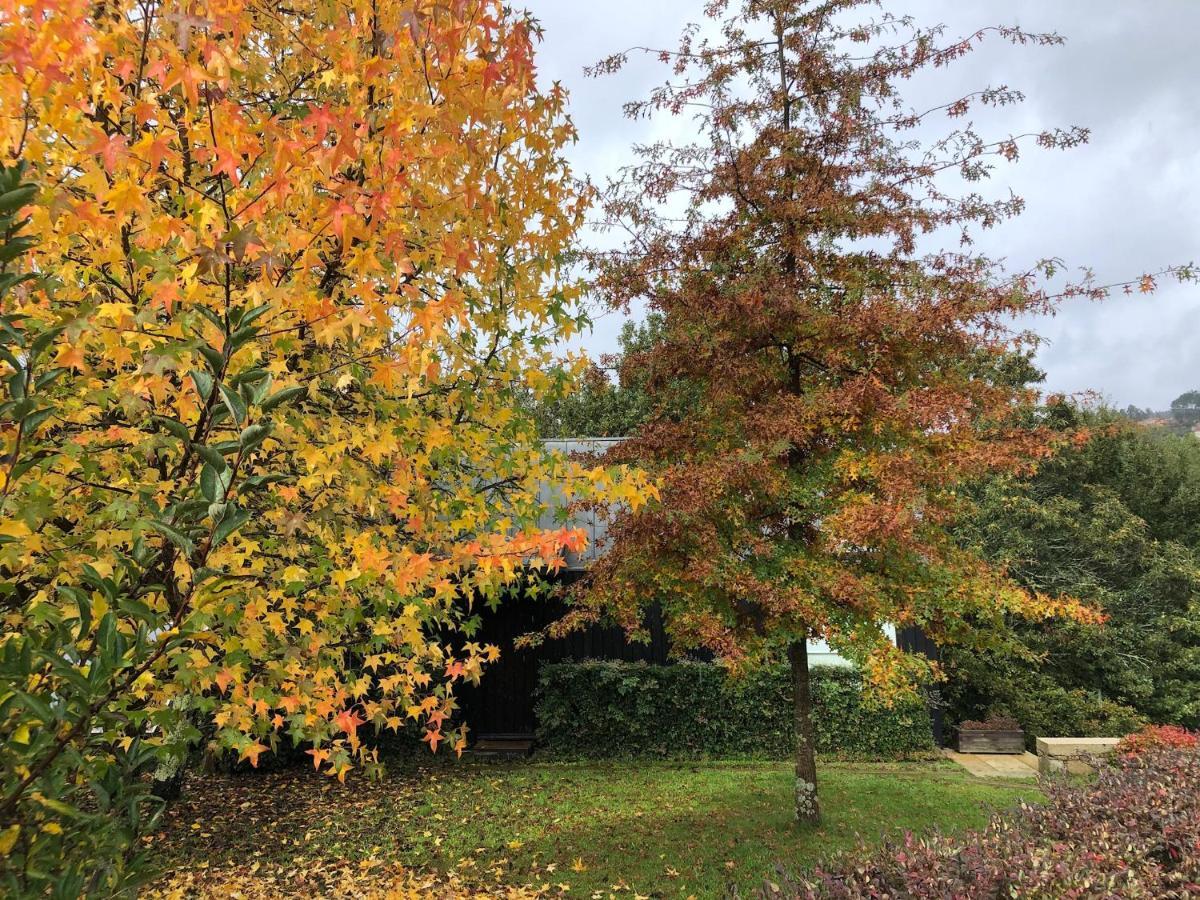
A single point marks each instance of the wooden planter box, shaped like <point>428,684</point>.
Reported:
<point>991,741</point>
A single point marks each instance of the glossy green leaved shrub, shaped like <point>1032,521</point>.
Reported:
<point>613,709</point>
<point>75,790</point>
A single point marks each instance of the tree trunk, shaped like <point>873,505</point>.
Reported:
<point>808,810</point>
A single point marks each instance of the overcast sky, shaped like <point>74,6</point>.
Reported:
<point>1126,203</point>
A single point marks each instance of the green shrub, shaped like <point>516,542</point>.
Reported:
<point>983,684</point>
<point>602,709</point>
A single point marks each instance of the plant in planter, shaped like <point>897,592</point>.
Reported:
<point>997,734</point>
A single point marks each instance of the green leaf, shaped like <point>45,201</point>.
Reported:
<point>259,389</point>
<point>98,581</point>
<point>106,634</point>
<point>15,247</point>
<point>48,376</point>
<point>251,314</point>
<point>234,403</point>
<point>178,539</point>
<point>177,428</point>
<point>203,574</point>
<point>36,418</point>
<point>249,376</point>
<point>284,396</point>
<point>63,809</point>
<point>214,483</point>
<point>211,456</point>
<point>212,356</point>
<point>203,382</point>
<point>253,435</point>
<point>217,321</point>
<point>6,326</point>
<point>38,707</point>
<point>137,609</point>
<point>254,482</point>
<point>44,340</point>
<point>25,465</point>
<point>229,525</point>
<point>10,280</point>
<point>65,668</point>
<point>8,357</point>
<point>189,511</point>
<point>240,337</point>
<point>11,201</point>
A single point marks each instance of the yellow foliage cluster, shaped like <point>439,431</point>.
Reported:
<point>299,264</point>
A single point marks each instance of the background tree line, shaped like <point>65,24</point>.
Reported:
<point>1182,416</point>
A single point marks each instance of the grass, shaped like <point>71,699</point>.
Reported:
<point>585,829</point>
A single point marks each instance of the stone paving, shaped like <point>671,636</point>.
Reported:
<point>996,765</point>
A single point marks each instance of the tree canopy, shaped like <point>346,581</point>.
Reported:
<point>1185,409</point>
<point>595,404</point>
<point>1113,521</point>
<point>261,447</point>
<point>839,365</point>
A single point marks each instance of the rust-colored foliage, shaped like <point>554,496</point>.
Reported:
<point>1132,832</point>
<point>1158,737</point>
<point>840,380</point>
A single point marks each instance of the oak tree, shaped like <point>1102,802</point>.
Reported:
<point>839,363</point>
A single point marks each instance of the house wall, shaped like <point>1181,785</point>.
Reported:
<point>552,500</point>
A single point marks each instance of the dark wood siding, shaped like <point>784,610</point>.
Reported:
<point>912,639</point>
<point>503,702</point>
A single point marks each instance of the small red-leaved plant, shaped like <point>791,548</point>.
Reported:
<point>1153,737</point>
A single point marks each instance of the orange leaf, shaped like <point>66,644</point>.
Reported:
<point>319,756</point>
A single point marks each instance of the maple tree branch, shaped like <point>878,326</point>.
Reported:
<point>135,86</point>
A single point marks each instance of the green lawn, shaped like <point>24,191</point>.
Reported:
<point>655,828</point>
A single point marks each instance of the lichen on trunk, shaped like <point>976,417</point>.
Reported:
<point>808,807</point>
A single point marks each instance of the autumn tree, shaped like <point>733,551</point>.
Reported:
<point>841,364</point>
<point>283,271</point>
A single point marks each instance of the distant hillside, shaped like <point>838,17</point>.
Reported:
<point>1175,420</point>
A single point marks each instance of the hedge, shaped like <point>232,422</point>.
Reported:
<point>612,708</point>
